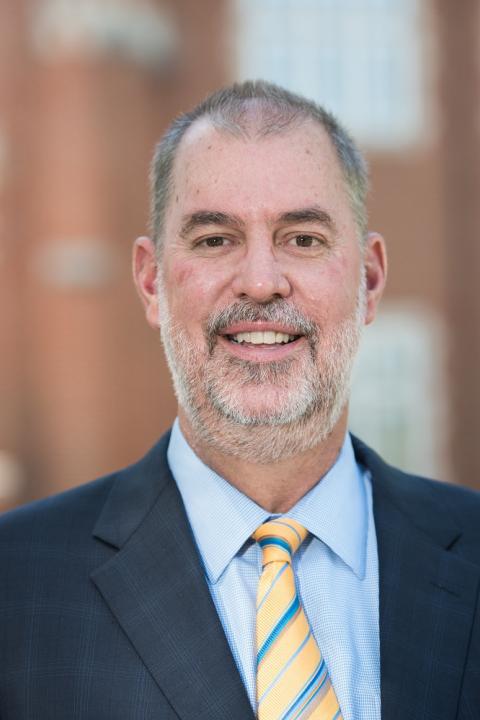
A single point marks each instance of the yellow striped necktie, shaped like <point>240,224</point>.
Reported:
<point>292,679</point>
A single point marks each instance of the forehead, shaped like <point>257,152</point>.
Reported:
<point>215,169</point>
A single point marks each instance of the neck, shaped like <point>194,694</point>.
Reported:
<point>275,486</point>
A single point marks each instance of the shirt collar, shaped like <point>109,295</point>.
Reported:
<point>223,518</point>
<point>335,510</point>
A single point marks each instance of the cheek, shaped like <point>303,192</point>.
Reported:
<point>191,291</point>
<point>195,282</point>
<point>180,274</point>
<point>330,291</point>
<point>344,275</point>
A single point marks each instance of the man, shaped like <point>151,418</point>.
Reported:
<point>169,590</point>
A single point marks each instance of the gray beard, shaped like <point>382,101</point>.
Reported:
<point>312,393</point>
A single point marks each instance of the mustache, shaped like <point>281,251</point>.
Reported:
<point>275,311</point>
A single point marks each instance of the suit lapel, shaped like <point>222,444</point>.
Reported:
<point>427,598</point>
<point>155,587</point>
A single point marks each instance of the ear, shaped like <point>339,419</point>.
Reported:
<point>375,265</point>
<point>144,266</point>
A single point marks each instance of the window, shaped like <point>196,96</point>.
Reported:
<point>361,59</point>
<point>399,390</point>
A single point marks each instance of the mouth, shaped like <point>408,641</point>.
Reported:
<point>265,337</point>
<point>260,342</point>
<point>261,334</point>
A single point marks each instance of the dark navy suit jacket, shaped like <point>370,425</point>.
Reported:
<point>105,613</point>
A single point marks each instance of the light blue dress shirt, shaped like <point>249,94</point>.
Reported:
<point>336,568</point>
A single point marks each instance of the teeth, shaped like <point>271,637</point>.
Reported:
<point>269,337</point>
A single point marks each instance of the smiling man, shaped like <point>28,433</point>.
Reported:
<point>258,562</point>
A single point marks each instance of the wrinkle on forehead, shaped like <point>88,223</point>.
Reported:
<point>203,136</point>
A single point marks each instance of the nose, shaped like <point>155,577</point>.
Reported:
<point>260,276</point>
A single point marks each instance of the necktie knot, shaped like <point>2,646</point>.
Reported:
<point>279,539</point>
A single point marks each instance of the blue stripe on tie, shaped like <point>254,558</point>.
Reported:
<point>285,524</point>
<point>337,714</point>
<point>279,542</point>
<point>277,576</point>
<point>312,697</point>
<point>293,707</point>
<point>286,666</point>
<point>284,620</point>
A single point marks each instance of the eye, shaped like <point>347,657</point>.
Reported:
<point>214,241</point>
<point>213,245</point>
<point>305,241</point>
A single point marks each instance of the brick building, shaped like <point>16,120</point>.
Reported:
<point>86,89</point>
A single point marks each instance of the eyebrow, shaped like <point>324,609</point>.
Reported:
<point>202,218</point>
<point>208,217</point>
<point>313,214</point>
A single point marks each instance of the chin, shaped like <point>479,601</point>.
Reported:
<point>261,407</point>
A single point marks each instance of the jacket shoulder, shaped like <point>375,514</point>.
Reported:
<point>432,505</point>
<point>76,511</point>
<point>72,509</point>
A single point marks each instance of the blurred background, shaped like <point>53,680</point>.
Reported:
<point>88,86</point>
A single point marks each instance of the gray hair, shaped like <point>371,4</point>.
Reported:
<point>274,110</point>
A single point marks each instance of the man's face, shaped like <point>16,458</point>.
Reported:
<point>262,289</point>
